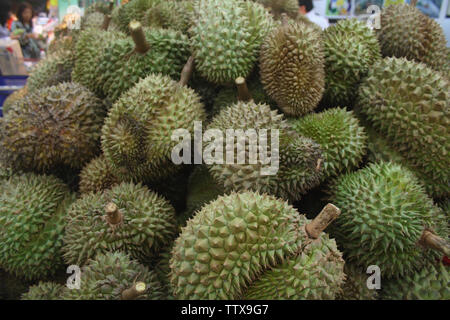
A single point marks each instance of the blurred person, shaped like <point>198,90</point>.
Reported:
<point>22,30</point>
<point>307,9</point>
<point>5,9</point>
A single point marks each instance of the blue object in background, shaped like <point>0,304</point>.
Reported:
<point>9,84</point>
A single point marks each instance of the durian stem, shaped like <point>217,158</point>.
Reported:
<point>243,92</point>
<point>137,33</point>
<point>328,214</point>
<point>113,215</point>
<point>111,5</point>
<point>106,22</point>
<point>319,164</point>
<point>187,71</point>
<point>431,240</point>
<point>135,291</point>
<point>284,19</point>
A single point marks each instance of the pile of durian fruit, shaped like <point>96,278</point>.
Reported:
<point>87,178</point>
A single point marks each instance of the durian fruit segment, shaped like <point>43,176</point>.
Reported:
<point>278,7</point>
<point>136,137</point>
<point>355,286</point>
<point>292,67</point>
<point>430,283</point>
<point>351,48</point>
<point>128,218</point>
<point>109,276</point>
<point>97,176</point>
<point>317,273</point>
<point>385,211</point>
<point>230,241</point>
<point>32,224</point>
<point>53,127</point>
<point>44,291</point>
<point>407,32</point>
<point>408,103</point>
<point>226,37</point>
<point>342,139</point>
<point>298,157</point>
<point>121,67</point>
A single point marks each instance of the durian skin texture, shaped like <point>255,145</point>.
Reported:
<point>407,32</point>
<point>148,224</point>
<point>277,7</point>
<point>13,98</point>
<point>355,286</point>
<point>339,133</point>
<point>228,243</point>
<point>408,103</point>
<point>32,222</point>
<point>292,68</point>
<point>107,275</point>
<point>226,36</point>
<point>384,212</point>
<point>55,126</point>
<point>44,291</point>
<point>120,67</point>
<point>351,48</point>
<point>317,273</point>
<point>137,133</point>
<point>97,176</point>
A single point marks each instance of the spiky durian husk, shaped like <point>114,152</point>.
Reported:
<point>98,6</point>
<point>342,139</point>
<point>62,44</point>
<point>92,20</point>
<point>292,67</point>
<point>137,133</point>
<point>148,224</point>
<point>407,32</point>
<point>277,7</point>
<point>44,291</point>
<point>351,48</point>
<point>355,286</point>
<point>384,213</point>
<point>162,270</point>
<point>171,14</point>
<point>120,67</point>
<point>298,156</point>
<point>230,242</point>
<point>53,127</point>
<point>430,283</point>
<point>317,273</point>
<point>226,37</point>
<point>106,276</point>
<point>32,224</point>
<point>133,10</point>
<point>98,175</point>
<point>413,119</point>
<point>53,70</point>
<point>13,98</point>
<point>5,172</point>
<point>89,49</point>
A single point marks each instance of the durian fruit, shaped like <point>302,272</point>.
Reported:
<point>351,48</point>
<point>44,291</point>
<point>128,218</point>
<point>232,240</point>
<point>278,7</point>
<point>53,127</point>
<point>430,283</point>
<point>298,157</point>
<point>385,215</point>
<point>92,20</point>
<point>317,273</point>
<point>32,225</point>
<point>62,44</point>
<point>5,172</point>
<point>355,286</point>
<point>292,67</point>
<point>13,98</point>
<point>170,14</point>
<point>342,139</point>
<point>162,270</point>
<point>133,10</point>
<point>226,37</point>
<point>88,51</point>
<point>125,61</point>
<point>104,7</point>
<point>97,176</point>
<point>407,32</point>
<point>408,104</point>
<point>137,132</point>
<point>116,276</point>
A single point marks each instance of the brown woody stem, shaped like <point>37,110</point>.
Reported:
<point>243,92</point>
<point>106,22</point>
<point>137,33</point>
<point>319,164</point>
<point>113,215</point>
<point>284,19</point>
<point>328,214</point>
<point>431,240</point>
<point>111,5</point>
<point>135,291</point>
<point>187,71</point>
